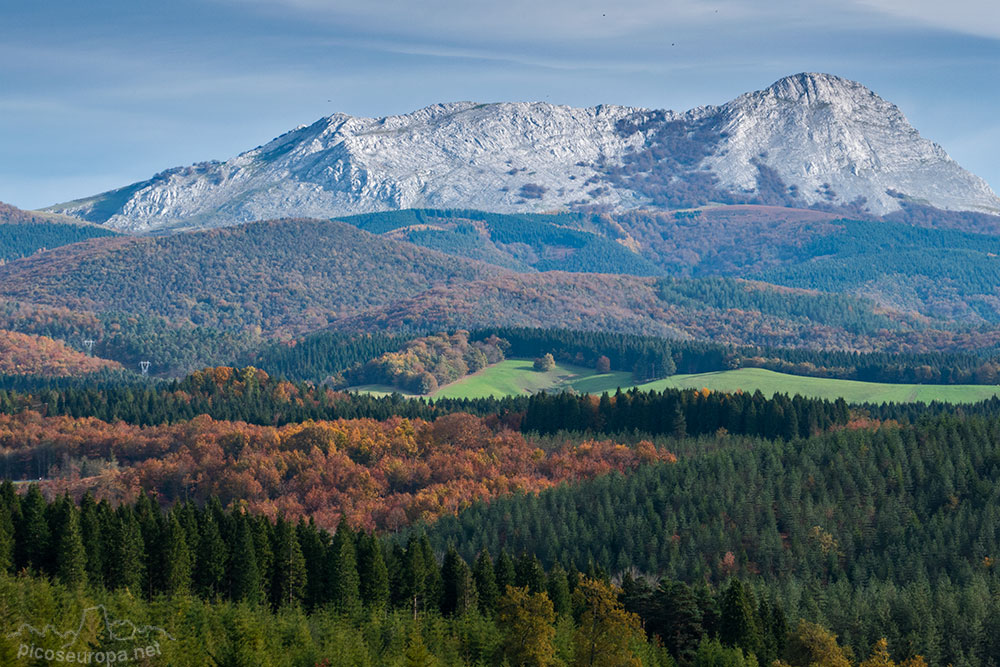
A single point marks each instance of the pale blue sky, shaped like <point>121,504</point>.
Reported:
<point>98,94</point>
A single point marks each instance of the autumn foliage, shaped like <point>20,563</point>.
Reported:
<point>378,474</point>
<point>23,354</point>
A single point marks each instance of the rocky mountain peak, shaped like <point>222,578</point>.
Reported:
<point>807,140</point>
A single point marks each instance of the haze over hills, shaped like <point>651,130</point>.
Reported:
<point>809,140</point>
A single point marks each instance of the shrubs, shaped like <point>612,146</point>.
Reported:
<point>545,363</point>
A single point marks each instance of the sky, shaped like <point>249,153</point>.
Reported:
<point>99,94</point>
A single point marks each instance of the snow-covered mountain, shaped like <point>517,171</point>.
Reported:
<point>809,139</point>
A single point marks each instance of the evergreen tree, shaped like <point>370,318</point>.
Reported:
<point>289,566</point>
<point>32,534</point>
<point>244,573</point>
<point>71,559</point>
<point>486,583</point>
<point>505,575</point>
<point>432,582</point>
<point>344,583</point>
<point>529,573</point>
<point>6,540</point>
<point>459,594</point>
<point>127,558</point>
<point>416,654</point>
<point>676,617</point>
<point>94,530</point>
<point>212,557</point>
<point>414,577</point>
<point>373,573</point>
<point>678,424</point>
<point>558,590</point>
<point>737,623</point>
<point>315,551</point>
<point>177,561</point>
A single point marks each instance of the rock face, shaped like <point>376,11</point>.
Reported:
<point>809,139</point>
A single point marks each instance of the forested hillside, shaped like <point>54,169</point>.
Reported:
<point>807,248</point>
<point>172,348</point>
<point>293,276</point>
<point>23,233</point>
<point>22,354</point>
<point>524,242</point>
<point>193,299</point>
<point>875,533</point>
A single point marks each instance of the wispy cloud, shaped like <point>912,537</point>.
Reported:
<point>973,17</point>
<point>118,88</point>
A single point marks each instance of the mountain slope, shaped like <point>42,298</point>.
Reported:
<point>22,354</point>
<point>23,233</point>
<point>288,276</point>
<point>807,140</point>
<point>294,276</point>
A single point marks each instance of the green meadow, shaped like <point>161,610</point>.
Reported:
<point>517,377</point>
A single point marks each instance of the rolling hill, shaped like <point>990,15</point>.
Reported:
<point>23,354</point>
<point>940,270</point>
<point>281,276</point>
<point>23,233</point>
<point>294,276</point>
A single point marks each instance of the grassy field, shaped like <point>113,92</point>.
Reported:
<point>517,377</point>
<point>770,382</point>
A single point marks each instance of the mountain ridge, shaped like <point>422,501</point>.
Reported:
<point>807,140</point>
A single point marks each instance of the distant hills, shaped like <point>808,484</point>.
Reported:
<point>290,277</point>
<point>23,233</point>
<point>807,141</point>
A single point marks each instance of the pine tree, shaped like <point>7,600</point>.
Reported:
<point>245,583</point>
<point>32,534</point>
<point>530,573</point>
<point>416,654</point>
<point>737,624</point>
<point>432,573</point>
<point>344,582</point>
<point>505,575</point>
<point>676,617</point>
<point>177,560</point>
<point>71,559</point>
<point>486,583</point>
<point>126,564</point>
<point>459,595</point>
<point>315,550</point>
<point>373,574</point>
<point>6,540</point>
<point>289,566</point>
<point>94,530</point>
<point>558,589</point>
<point>212,557</point>
<point>678,424</point>
<point>263,532</point>
<point>414,577</point>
